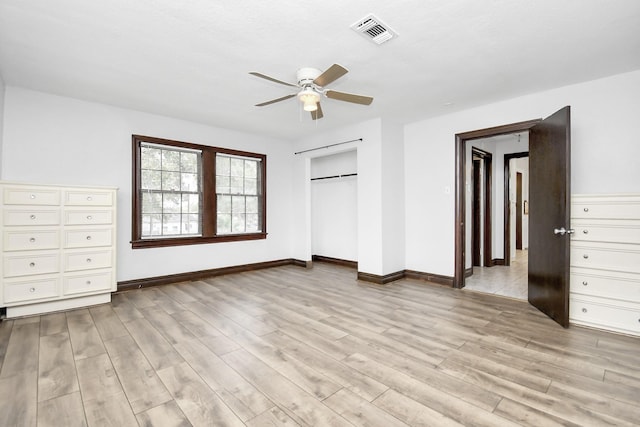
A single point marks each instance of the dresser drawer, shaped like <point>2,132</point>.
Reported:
<point>28,217</point>
<point>606,256</point>
<point>30,196</point>
<point>87,260</point>
<point>87,283</point>
<point>31,240</point>
<point>87,238</point>
<point>25,265</point>
<point>620,231</point>
<point>602,313</point>
<point>73,217</point>
<point>31,290</point>
<point>615,206</point>
<point>616,285</point>
<point>88,198</point>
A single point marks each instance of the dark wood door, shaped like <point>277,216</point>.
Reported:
<point>549,196</point>
<point>518,210</point>
<point>476,213</point>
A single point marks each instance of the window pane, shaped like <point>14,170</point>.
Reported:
<point>151,203</point>
<point>237,204</point>
<point>222,184</point>
<point>171,181</point>
<point>191,224</point>
<point>237,223</point>
<point>171,224</point>
<point>237,167</point>
<point>224,223</point>
<point>237,185</point>
<point>170,160</point>
<point>250,186</point>
<point>252,223</point>
<point>189,162</point>
<point>223,165</point>
<point>190,204</point>
<point>251,169</point>
<point>171,203</point>
<point>150,158</point>
<point>252,205</point>
<point>151,180</point>
<point>189,182</point>
<point>224,204</point>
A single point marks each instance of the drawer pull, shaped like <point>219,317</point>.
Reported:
<point>32,217</point>
<point>586,209</point>
<point>585,256</point>
<point>88,259</point>
<point>585,231</point>
<point>88,282</point>
<point>32,264</point>
<point>585,283</point>
<point>89,217</point>
<point>89,198</point>
<point>33,239</point>
<point>584,310</point>
<point>88,237</point>
<point>32,289</point>
<point>33,196</point>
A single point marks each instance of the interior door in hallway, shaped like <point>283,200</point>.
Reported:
<point>549,213</point>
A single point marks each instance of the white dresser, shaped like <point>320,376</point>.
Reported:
<point>58,247</point>
<point>605,262</point>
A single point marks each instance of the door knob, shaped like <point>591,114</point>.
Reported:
<point>562,231</point>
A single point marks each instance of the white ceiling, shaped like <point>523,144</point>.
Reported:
<point>191,59</point>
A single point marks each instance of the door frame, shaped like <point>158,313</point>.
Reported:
<point>460,168</point>
<point>485,181</point>
<point>507,206</point>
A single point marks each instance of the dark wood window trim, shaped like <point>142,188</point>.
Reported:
<point>209,210</point>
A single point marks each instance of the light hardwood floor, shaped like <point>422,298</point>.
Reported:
<point>290,346</point>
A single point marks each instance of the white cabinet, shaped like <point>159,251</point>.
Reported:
<point>605,262</point>
<point>58,247</point>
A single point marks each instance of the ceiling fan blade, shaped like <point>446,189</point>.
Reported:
<point>331,74</point>
<point>349,97</point>
<point>262,76</point>
<point>315,115</point>
<point>273,101</point>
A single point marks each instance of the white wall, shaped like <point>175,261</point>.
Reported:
<point>334,206</point>
<point>604,116</point>
<point>57,140</point>
<point>2,96</point>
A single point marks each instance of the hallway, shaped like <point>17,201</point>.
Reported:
<point>501,280</point>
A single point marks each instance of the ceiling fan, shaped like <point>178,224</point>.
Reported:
<point>311,83</point>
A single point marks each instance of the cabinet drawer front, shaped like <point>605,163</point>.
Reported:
<point>31,196</point>
<point>31,240</point>
<point>613,207</point>
<point>87,260</point>
<point>32,290</point>
<point>87,238</point>
<point>621,232</point>
<point>615,258</point>
<point>31,217</point>
<point>87,217</point>
<point>30,264</point>
<point>620,287</point>
<point>88,198</point>
<point>606,315</point>
<point>87,283</point>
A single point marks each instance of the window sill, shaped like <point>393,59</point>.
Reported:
<point>183,241</point>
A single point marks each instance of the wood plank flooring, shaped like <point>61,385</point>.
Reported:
<point>289,346</point>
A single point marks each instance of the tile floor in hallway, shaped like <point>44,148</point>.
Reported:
<point>509,281</point>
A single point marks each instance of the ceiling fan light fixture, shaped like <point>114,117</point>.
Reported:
<point>309,98</point>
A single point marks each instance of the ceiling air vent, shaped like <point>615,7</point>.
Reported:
<point>374,29</point>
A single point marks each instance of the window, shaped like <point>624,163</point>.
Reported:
<point>186,194</point>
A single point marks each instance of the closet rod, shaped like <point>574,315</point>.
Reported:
<point>327,146</point>
<point>334,176</point>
